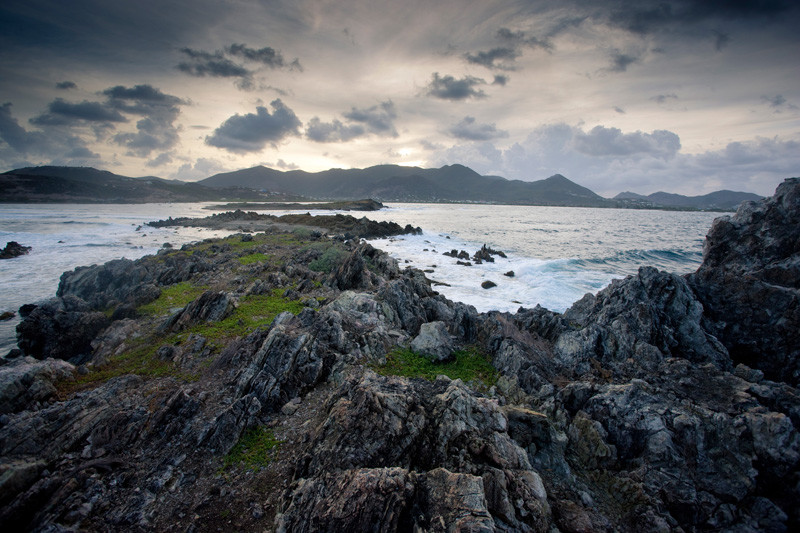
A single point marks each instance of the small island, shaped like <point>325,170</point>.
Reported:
<point>344,205</point>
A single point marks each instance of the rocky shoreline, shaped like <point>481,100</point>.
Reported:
<point>289,381</point>
<point>347,226</point>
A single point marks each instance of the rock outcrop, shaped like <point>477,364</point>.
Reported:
<point>14,249</point>
<point>749,283</point>
<point>662,403</point>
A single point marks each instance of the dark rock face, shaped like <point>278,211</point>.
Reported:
<point>632,411</point>
<point>62,328</point>
<point>749,283</point>
<point>13,249</point>
<point>209,307</point>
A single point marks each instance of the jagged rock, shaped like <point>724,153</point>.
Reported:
<point>434,342</point>
<point>488,284</point>
<point>510,274</point>
<point>7,315</point>
<point>26,380</point>
<point>636,323</point>
<point>209,307</point>
<point>61,328</point>
<point>13,249</point>
<point>348,500</point>
<point>748,283</point>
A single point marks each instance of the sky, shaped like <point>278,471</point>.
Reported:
<point>625,95</point>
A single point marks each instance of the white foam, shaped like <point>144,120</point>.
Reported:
<point>553,284</point>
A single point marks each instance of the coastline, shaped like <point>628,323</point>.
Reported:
<point>616,414</point>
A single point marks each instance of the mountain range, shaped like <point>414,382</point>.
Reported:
<point>392,183</point>
<point>723,200</point>
<point>450,183</point>
<point>51,184</point>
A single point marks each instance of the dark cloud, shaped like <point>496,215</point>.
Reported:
<point>15,135</point>
<point>66,85</point>
<point>266,56</point>
<point>156,129</point>
<point>778,103</point>
<point>221,64</point>
<point>142,93</point>
<point>449,88</point>
<point>378,119</point>
<point>469,129</point>
<point>52,142</point>
<point>334,131</point>
<point>503,57</point>
<point>63,113</point>
<point>620,61</point>
<point>496,58</point>
<point>162,159</point>
<point>663,98</point>
<point>500,79</point>
<point>645,17</point>
<point>520,38</point>
<point>601,141</point>
<point>252,132</point>
<point>619,110</point>
<point>200,64</point>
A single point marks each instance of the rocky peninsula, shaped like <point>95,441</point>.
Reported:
<point>290,381</point>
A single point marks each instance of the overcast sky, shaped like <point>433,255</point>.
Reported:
<point>638,95</point>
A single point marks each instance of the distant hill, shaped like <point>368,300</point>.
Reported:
<point>388,183</point>
<point>722,200</point>
<point>450,183</point>
<point>88,185</point>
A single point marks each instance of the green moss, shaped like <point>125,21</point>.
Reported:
<point>253,311</point>
<point>140,360</point>
<point>256,257</point>
<point>469,365</point>
<point>257,448</point>
<point>177,295</point>
<point>331,258</point>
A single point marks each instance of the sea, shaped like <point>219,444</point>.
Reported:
<point>556,254</point>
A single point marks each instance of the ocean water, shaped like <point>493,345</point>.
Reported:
<point>557,254</point>
<point>63,237</point>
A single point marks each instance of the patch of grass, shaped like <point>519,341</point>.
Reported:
<point>253,311</point>
<point>331,258</point>
<point>257,448</point>
<point>256,257</point>
<point>140,360</point>
<point>470,366</point>
<point>177,295</point>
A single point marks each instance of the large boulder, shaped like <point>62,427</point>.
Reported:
<point>749,283</point>
<point>62,328</point>
<point>434,342</point>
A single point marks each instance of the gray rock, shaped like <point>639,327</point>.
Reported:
<point>434,342</point>
<point>25,380</point>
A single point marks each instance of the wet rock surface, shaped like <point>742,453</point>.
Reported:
<point>662,403</point>
<point>13,249</point>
